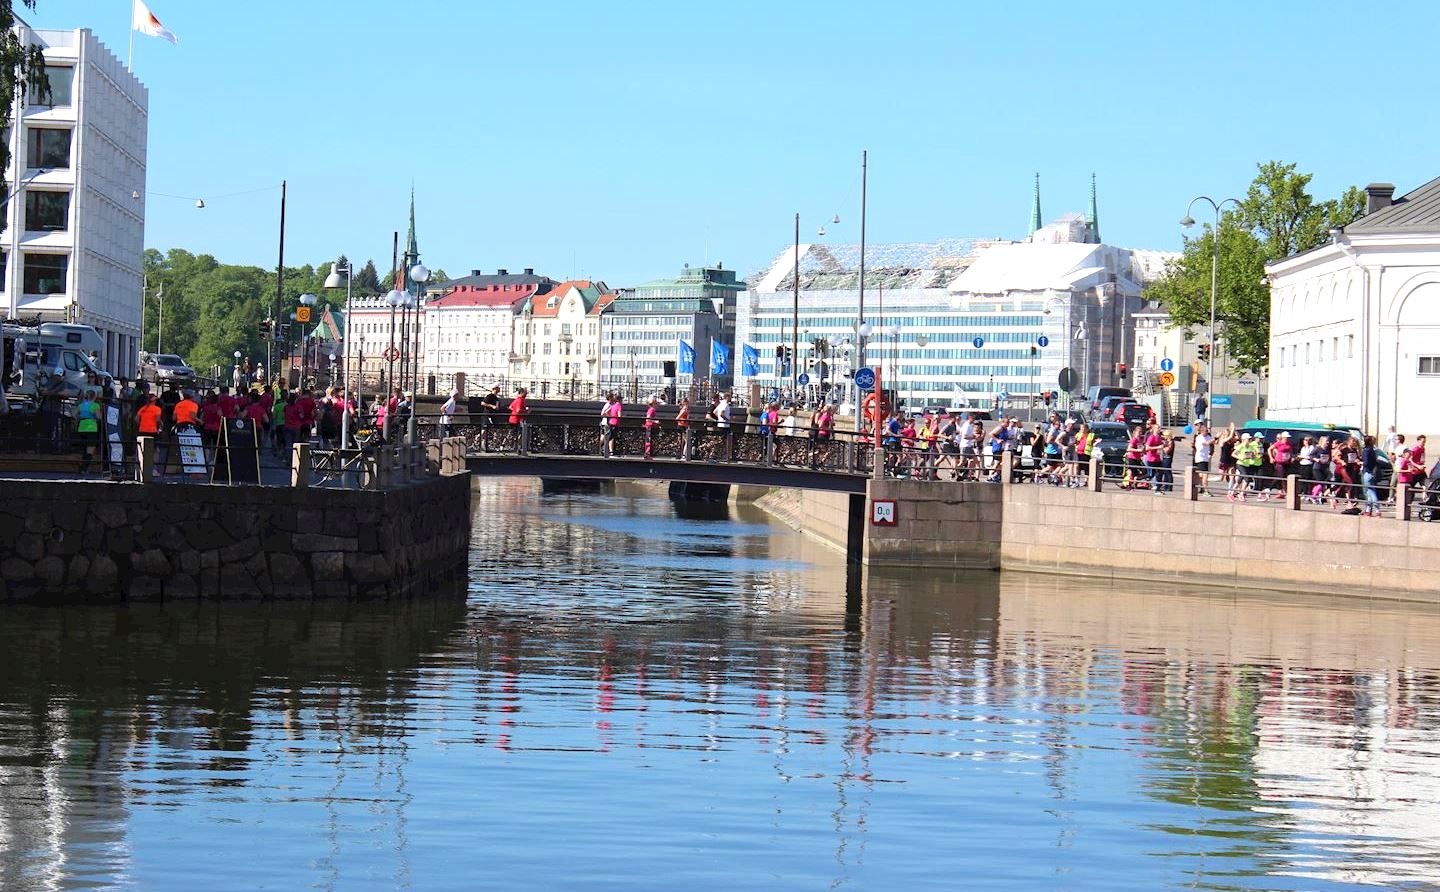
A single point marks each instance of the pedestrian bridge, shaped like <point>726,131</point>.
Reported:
<point>740,455</point>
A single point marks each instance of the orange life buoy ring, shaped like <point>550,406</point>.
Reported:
<point>867,406</point>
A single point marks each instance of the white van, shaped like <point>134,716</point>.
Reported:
<point>52,359</point>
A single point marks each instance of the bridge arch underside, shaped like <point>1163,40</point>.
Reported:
<point>581,467</point>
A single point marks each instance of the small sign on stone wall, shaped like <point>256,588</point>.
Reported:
<point>882,512</point>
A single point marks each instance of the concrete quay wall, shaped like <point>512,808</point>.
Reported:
<point>823,516</point>
<point>1124,535</point>
<point>74,541</point>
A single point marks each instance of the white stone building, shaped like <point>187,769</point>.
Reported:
<point>469,330</point>
<point>74,245</point>
<point>557,336</point>
<point>1355,323</point>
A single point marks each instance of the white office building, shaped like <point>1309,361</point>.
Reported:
<point>953,322</point>
<point>73,245</point>
<point>469,329</point>
<point>1355,323</point>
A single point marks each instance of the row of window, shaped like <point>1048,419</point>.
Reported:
<point>1428,365</point>
<point>1314,351</point>
<point>43,273</point>
<point>908,323</point>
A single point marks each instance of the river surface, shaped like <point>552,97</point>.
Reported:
<point>631,697</point>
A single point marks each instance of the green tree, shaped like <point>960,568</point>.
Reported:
<point>367,281</point>
<point>1277,218</point>
<point>19,66</point>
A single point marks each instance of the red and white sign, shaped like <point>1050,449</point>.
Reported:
<point>882,512</point>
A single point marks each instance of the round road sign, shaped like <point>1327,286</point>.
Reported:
<point>1167,365</point>
<point>865,377</point>
<point>1167,379</point>
<point>1068,379</point>
<point>391,354</point>
<point>1043,341</point>
<point>978,342</point>
<point>803,379</point>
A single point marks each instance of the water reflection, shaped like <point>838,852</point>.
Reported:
<point>638,697</point>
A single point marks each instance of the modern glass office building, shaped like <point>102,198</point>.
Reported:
<point>954,323</point>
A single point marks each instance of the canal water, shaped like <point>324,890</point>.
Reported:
<point>631,696</point>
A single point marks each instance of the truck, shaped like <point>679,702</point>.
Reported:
<point>50,359</point>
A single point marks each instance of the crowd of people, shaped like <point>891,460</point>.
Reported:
<point>108,422</point>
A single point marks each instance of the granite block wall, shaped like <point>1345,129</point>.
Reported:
<point>80,541</point>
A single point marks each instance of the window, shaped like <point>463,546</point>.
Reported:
<point>1429,365</point>
<point>45,273</point>
<point>49,148</point>
<point>60,77</point>
<point>1350,346</point>
<point>47,211</point>
<point>4,267</point>
<point>1335,348</point>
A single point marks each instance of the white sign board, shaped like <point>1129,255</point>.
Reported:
<point>192,452</point>
<point>882,513</point>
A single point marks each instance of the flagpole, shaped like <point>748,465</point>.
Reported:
<point>130,57</point>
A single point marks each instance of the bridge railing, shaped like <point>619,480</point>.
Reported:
<point>700,440</point>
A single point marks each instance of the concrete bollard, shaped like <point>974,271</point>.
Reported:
<point>1096,481</point>
<point>146,459</point>
<point>434,457</point>
<point>1007,468</point>
<point>1292,492</point>
<point>300,470</point>
<point>1402,501</point>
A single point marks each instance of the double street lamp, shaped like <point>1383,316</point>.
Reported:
<point>333,281</point>
<point>1187,221</point>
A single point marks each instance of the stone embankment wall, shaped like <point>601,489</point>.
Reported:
<point>1133,535</point>
<point>1123,535</point>
<point>101,542</point>
<point>824,516</point>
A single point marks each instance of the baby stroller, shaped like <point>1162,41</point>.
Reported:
<point>1427,503</point>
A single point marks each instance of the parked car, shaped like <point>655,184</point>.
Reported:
<point>165,367</point>
<point>1105,409</point>
<point>1134,413</point>
<point>1097,394</point>
<point>1268,430</point>
<point>1113,438</point>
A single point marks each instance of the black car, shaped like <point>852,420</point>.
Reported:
<point>1113,440</point>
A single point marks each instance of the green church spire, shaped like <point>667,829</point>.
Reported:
<point>412,249</point>
<point>1035,223</point>
<point>1093,218</point>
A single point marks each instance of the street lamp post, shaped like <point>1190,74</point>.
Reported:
<point>306,300</point>
<point>394,298</point>
<point>417,277</point>
<point>333,281</point>
<point>1187,221</point>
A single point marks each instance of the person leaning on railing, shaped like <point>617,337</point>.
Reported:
<point>87,428</point>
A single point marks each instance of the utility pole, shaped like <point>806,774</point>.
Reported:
<point>279,286</point>
<point>795,321</point>
<point>864,172</point>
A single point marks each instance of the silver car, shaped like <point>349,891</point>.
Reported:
<point>165,367</point>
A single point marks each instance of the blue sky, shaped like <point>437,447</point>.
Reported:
<point>621,140</point>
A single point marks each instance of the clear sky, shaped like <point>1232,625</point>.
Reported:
<point>622,139</point>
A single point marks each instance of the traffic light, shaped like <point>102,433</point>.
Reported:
<point>1204,352</point>
<point>1122,369</point>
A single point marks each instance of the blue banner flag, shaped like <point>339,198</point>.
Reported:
<point>750,362</point>
<point>687,359</point>
<point>719,359</point>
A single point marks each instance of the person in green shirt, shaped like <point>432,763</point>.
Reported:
<point>1249,456</point>
<point>87,428</point>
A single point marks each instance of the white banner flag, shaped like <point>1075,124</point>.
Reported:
<point>144,21</point>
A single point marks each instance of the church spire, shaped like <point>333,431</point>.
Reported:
<point>1092,219</point>
<point>412,249</point>
<point>1035,223</point>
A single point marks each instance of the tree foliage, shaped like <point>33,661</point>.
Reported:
<point>1277,218</point>
<point>213,309</point>
<point>18,65</point>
